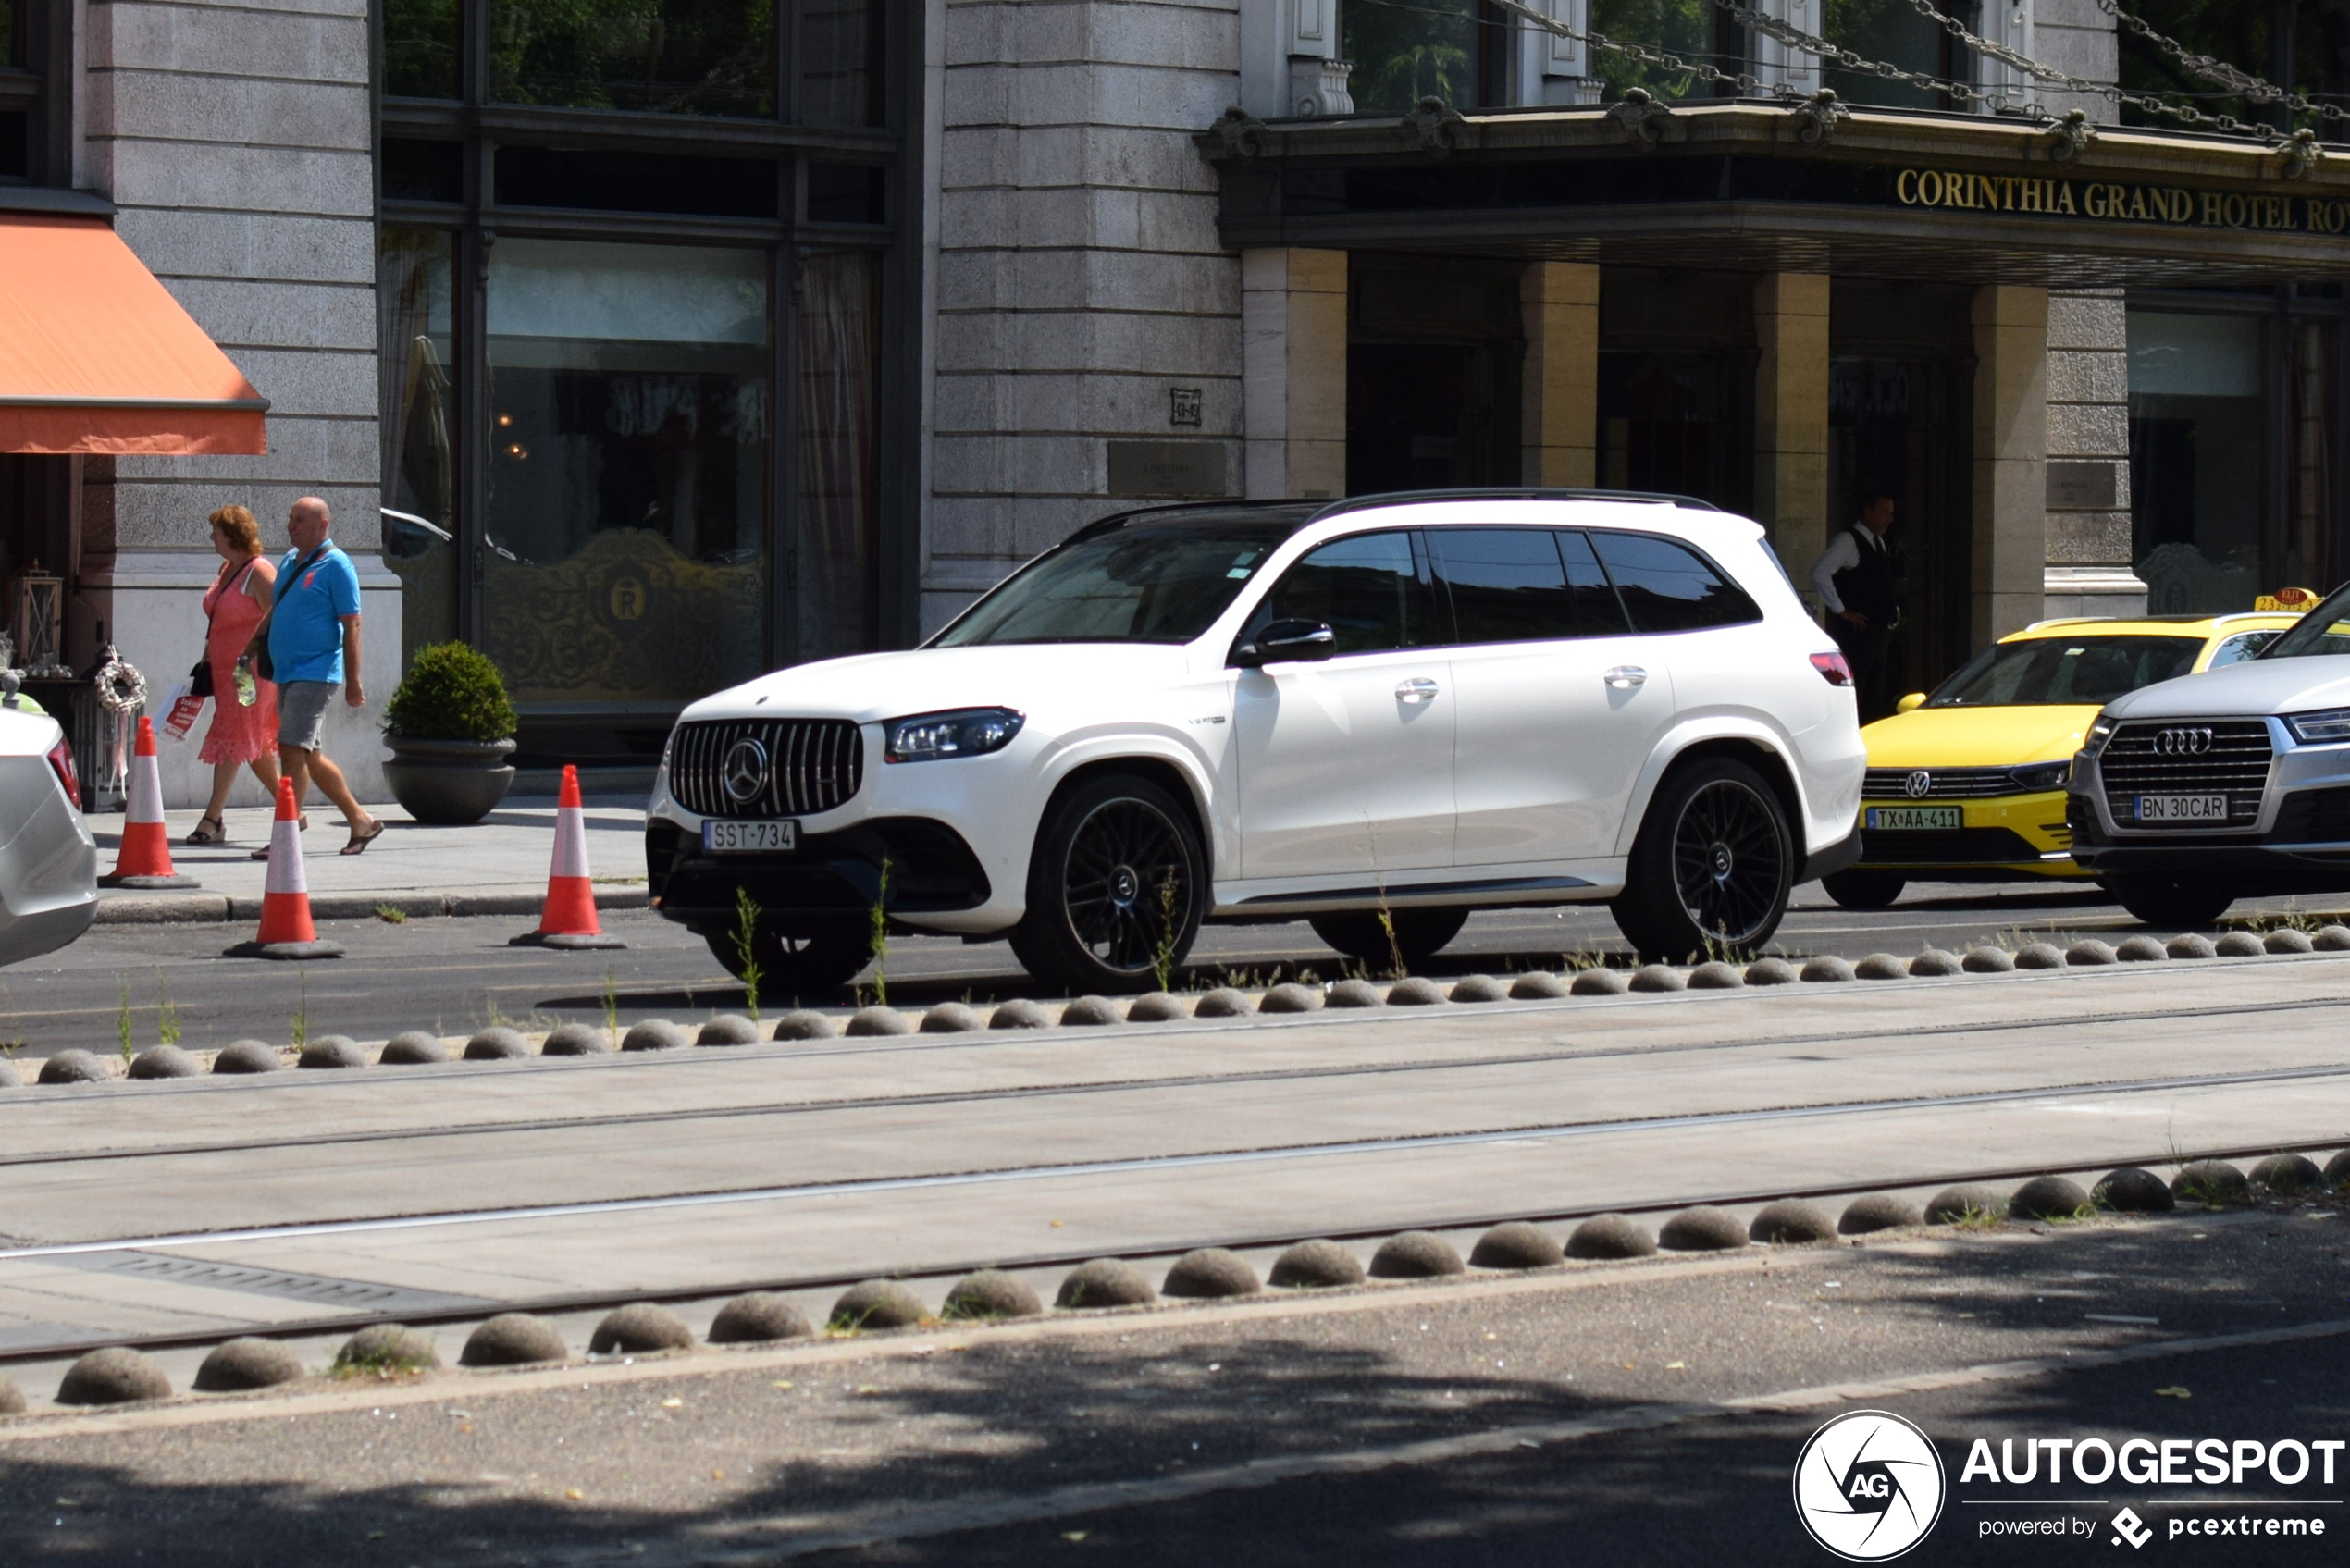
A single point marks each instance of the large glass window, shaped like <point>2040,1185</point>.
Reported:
<point>1407,50</point>
<point>839,62</point>
<point>420,48</point>
<point>629,430</point>
<point>676,56</point>
<point>1687,30</point>
<point>1895,32</point>
<point>836,548</point>
<point>2198,429</point>
<point>419,432</point>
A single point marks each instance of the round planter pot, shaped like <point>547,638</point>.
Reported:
<point>447,782</point>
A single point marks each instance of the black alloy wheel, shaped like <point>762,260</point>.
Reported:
<point>1420,934</point>
<point>806,964</point>
<point>1116,888</point>
<point>1713,867</point>
<point>1857,889</point>
<point>2179,902</point>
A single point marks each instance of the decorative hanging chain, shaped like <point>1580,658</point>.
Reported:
<point>2219,72</point>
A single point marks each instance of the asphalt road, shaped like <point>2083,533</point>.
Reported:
<point>1650,1413</point>
<point>453,975</point>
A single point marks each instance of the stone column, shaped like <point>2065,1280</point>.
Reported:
<point>2089,542</point>
<point>2010,458</point>
<point>1560,400</point>
<point>1293,371</point>
<point>1791,415</point>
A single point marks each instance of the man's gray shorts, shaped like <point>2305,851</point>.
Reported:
<point>302,711</point>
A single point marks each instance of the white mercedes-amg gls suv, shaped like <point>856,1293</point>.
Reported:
<point>1377,714</point>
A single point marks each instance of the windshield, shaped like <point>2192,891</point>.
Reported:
<point>2082,672</point>
<point>1147,582</point>
<point>2325,629</point>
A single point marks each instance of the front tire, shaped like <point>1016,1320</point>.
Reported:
<point>1864,890</point>
<point>1116,888</point>
<point>2169,901</point>
<point>1420,934</point>
<point>804,963</point>
<point>1712,866</point>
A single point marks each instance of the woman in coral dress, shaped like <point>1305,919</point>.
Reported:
<point>240,737</point>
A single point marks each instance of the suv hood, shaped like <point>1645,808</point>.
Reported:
<point>2253,689</point>
<point>870,688</point>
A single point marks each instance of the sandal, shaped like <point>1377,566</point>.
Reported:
<point>216,834</point>
<point>359,841</point>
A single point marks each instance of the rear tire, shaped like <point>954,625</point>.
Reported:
<point>799,965</point>
<point>1420,934</point>
<point>2169,901</point>
<point>1864,890</point>
<point>1712,867</point>
<point>1117,886</point>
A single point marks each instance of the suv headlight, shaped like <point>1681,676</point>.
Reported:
<point>966,731</point>
<point>2041,775</point>
<point>2099,733</point>
<point>2326,724</point>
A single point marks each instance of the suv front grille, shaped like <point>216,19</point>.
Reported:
<point>2235,765</point>
<point>812,765</point>
<point>1943,784</point>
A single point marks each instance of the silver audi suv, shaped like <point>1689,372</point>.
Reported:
<point>2191,793</point>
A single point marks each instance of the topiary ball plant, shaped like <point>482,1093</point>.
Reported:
<point>451,692</point>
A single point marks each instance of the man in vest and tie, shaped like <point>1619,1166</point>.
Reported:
<point>1854,580</point>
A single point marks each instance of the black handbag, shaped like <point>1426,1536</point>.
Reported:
<point>200,678</point>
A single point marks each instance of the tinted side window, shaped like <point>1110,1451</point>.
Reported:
<point>1369,589</point>
<point>1506,584</point>
<point>1597,610</point>
<point>1668,587</point>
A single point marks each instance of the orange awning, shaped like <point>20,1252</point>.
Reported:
<point>96,356</point>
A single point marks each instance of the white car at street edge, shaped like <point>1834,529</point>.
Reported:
<point>48,861</point>
<point>1377,714</point>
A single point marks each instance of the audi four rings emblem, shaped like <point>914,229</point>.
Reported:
<point>1919,784</point>
<point>2182,742</point>
<point>744,771</point>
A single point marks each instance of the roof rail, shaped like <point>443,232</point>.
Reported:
<point>1509,492</point>
<point>1135,514</point>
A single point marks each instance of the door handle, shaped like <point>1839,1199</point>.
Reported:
<point>1421,690</point>
<point>1624,677</point>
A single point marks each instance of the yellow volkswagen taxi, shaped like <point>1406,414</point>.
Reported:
<point>1967,784</point>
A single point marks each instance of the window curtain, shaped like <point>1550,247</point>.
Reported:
<point>838,366</point>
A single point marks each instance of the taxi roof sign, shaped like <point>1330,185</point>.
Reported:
<point>2286,599</point>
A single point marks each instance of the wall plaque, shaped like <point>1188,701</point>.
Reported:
<point>1167,468</point>
<point>2082,487</point>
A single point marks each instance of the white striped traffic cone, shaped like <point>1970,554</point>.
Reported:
<point>145,861</point>
<point>568,917</point>
<point>286,930</point>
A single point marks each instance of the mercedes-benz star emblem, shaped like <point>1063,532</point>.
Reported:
<point>1919,784</point>
<point>2183,742</point>
<point>744,771</point>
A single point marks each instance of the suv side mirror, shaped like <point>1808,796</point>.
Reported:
<point>1287,641</point>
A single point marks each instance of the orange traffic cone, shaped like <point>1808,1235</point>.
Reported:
<point>568,917</point>
<point>286,930</point>
<point>145,857</point>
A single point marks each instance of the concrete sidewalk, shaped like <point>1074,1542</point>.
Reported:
<point>496,866</point>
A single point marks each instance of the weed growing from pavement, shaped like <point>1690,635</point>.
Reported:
<point>881,936</point>
<point>1973,1218</point>
<point>1163,951</point>
<point>612,1004</point>
<point>167,1015</point>
<point>746,941</point>
<point>391,914</point>
<point>492,1016</point>
<point>302,1012</point>
<point>385,1364</point>
<point>122,1019</point>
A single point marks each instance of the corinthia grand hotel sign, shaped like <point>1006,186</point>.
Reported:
<point>2104,201</point>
